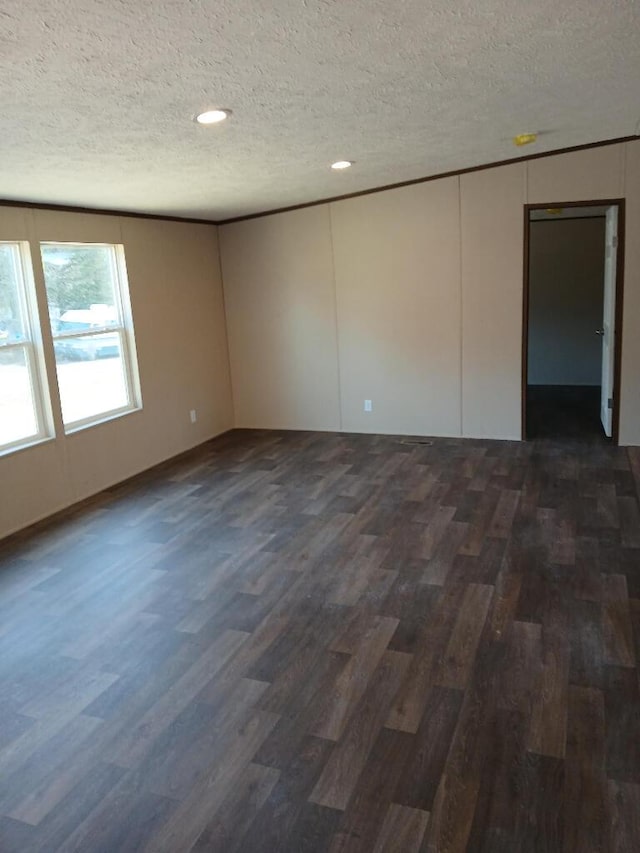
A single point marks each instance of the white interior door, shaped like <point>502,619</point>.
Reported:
<point>608,330</point>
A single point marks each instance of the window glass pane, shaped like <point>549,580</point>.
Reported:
<point>17,411</point>
<point>12,325</point>
<point>91,376</point>
<point>85,298</point>
<point>81,286</point>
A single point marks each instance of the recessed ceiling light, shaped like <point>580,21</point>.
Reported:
<point>524,139</point>
<point>212,116</point>
<point>341,164</point>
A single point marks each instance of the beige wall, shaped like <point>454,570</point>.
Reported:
<point>178,312</point>
<point>281,311</point>
<point>492,236</point>
<point>630,396</point>
<point>397,261</point>
<point>596,173</point>
<point>427,287</point>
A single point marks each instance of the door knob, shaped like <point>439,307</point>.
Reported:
<point>600,332</point>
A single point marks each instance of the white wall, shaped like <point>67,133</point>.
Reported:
<point>427,285</point>
<point>178,312</point>
<point>566,292</point>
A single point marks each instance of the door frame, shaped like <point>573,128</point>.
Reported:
<point>618,313</point>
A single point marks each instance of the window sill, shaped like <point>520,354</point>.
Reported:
<point>50,439</point>
<point>72,429</point>
<point>27,445</point>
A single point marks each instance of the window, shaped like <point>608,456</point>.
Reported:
<point>22,408</point>
<point>92,331</point>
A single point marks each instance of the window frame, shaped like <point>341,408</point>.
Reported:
<point>32,347</point>
<point>124,329</point>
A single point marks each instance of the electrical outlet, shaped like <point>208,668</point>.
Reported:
<point>367,406</point>
<point>193,416</point>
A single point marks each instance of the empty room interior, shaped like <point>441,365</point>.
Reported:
<point>319,427</point>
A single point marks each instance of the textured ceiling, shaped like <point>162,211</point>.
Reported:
<point>98,95</point>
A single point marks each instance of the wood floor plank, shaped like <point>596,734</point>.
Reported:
<point>435,531</point>
<point>629,522</point>
<point>458,788</point>
<point>42,782</point>
<point>353,680</point>
<point>505,601</point>
<point>198,736</point>
<point>540,817</point>
<point>123,821</point>
<point>383,772</point>
<point>78,805</point>
<point>624,822</point>
<point>430,746</point>
<point>622,714</point>
<point>517,681</point>
<point>454,809</point>
<point>191,817</point>
<point>480,521</point>
<point>70,697</point>
<point>15,836</point>
<point>442,556</point>
<point>494,821</point>
<point>461,649</point>
<point>402,831</point>
<point>408,707</point>
<point>280,819</point>
<point>547,735</point>
<point>616,621</point>
<point>244,801</point>
<point>585,783</point>
<point>341,773</point>
<point>134,744</point>
<point>500,524</point>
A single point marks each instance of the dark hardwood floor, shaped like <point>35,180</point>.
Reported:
<point>303,642</point>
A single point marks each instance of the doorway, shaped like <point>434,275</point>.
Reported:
<point>572,320</point>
